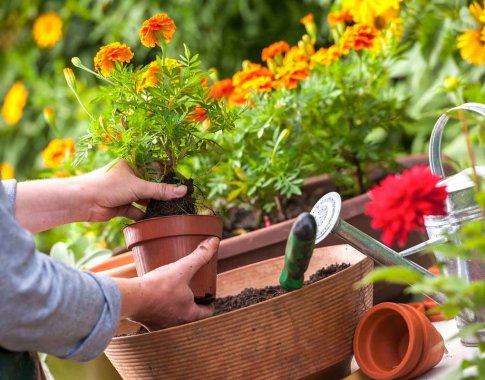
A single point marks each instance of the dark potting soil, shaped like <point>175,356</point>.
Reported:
<point>180,206</point>
<point>252,296</point>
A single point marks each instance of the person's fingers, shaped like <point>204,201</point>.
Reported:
<point>203,311</point>
<point>133,213</point>
<point>191,263</point>
<point>160,191</point>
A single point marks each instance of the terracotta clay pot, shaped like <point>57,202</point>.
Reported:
<point>117,266</point>
<point>159,241</point>
<point>396,341</point>
<point>303,334</point>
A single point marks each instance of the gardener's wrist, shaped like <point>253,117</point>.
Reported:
<point>131,296</point>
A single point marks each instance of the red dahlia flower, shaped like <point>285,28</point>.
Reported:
<point>399,203</point>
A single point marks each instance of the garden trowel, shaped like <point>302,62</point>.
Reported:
<point>299,249</point>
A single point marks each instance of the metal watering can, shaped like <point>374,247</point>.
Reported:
<point>461,208</point>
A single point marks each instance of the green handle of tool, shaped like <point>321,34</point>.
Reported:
<point>299,249</point>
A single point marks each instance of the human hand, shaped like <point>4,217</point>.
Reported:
<point>113,190</point>
<point>162,298</point>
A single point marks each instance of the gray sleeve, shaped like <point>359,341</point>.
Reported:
<point>11,190</point>
<point>48,306</point>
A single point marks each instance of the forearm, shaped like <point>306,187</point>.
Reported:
<point>44,204</point>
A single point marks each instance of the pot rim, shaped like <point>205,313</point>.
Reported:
<point>151,220</point>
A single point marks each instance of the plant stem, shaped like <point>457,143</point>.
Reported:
<point>279,206</point>
<point>359,174</point>
<point>469,148</point>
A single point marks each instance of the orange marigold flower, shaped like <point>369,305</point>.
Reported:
<point>198,114</point>
<point>290,75</point>
<point>14,103</point>
<point>274,49</point>
<point>307,19</point>
<point>57,151</point>
<point>108,54</point>
<point>222,89</point>
<point>295,54</point>
<point>6,171</point>
<point>250,71</point>
<point>337,17</point>
<point>358,37</point>
<point>325,56</point>
<point>149,78</point>
<point>47,30</point>
<point>263,83</point>
<point>472,46</point>
<point>156,28</point>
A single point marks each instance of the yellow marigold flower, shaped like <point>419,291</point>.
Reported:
<point>372,12</point>
<point>47,30</point>
<point>290,75</point>
<point>325,56</point>
<point>108,54</point>
<point>57,151</point>
<point>310,26</point>
<point>338,17</point>
<point>477,11</point>
<point>14,103</point>
<point>62,174</point>
<point>358,37</point>
<point>472,46</point>
<point>6,171</point>
<point>277,48</point>
<point>156,28</point>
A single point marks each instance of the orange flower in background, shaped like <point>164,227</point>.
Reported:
<point>47,30</point>
<point>295,54</point>
<point>338,17</point>
<point>324,56</point>
<point>249,72</point>
<point>108,54</point>
<point>14,103</point>
<point>149,78</point>
<point>358,37</point>
<point>289,76</point>
<point>57,151</point>
<point>157,28</point>
<point>6,171</point>
<point>310,26</point>
<point>307,19</point>
<point>197,115</point>
<point>277,48</point>
<point>222,89</point>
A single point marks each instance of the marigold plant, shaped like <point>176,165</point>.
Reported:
<point>158,115</point>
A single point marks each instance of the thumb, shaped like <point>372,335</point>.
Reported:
<point>191,263</point>
<point>203,311</point>
<point>159,191</point>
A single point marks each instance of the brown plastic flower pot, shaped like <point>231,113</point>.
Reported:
<point>396,341</point>
<point>304,334</point>
<point>159,241</point>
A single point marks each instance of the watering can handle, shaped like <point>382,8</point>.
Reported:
<point>437,133</point>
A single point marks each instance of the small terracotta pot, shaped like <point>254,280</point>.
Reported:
<point>159,241</point>
<point>117,266</point>
<point>395,341</point>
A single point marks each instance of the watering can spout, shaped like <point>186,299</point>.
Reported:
<point>326,213</point>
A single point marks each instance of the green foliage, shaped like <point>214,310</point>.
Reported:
<point>156,122</point>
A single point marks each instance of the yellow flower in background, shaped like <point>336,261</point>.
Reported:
<point>108,54</point>
<point>47,30</point>
<point>325,56</point>
<point>472,42</point>
<point>14,103</point>
<point>6,171</point>
<point>57,151</point>
<point>377,13</point>
<point>478,12</point>
<point>472,46</point>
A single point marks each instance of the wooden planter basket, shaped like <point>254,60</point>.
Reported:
<point>302,334</point>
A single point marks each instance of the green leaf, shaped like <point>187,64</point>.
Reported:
<point>395,274</point>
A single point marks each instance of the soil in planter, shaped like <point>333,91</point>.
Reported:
<point>180,206</point>
<point>252,296</point>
